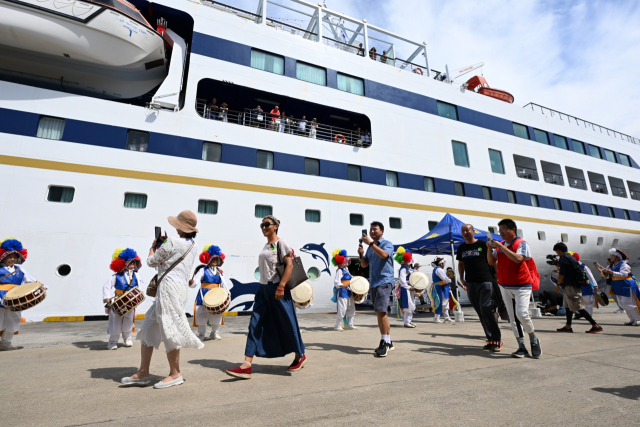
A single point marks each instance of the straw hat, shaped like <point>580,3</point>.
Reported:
<point>185,221</point>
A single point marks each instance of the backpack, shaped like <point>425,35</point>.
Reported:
<point>578,275</point>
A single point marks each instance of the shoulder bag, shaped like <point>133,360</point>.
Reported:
<point>152,289</point>
<point>298,275</point>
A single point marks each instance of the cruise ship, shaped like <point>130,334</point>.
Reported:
<point>108,125</point>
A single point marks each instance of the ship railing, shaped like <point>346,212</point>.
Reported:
<point>582,123</point>
<point>288,28</point>
<point>634,195</point>
<point>289,125</point>
<point>527,173</point>
<point>244,14</point>
<point>552,178</point>
<point>578,183</point>
<point>599,188</point>
<point>343,46</point>
<point>618,191</point>
<point>397,62</point>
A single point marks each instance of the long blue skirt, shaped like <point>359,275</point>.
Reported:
<point>273,329</point>
<point>443,292</point>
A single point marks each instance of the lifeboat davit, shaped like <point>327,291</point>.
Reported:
<point>484,89</point>
<point>102,48</point>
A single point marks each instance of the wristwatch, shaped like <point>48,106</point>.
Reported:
<point>371,244</point>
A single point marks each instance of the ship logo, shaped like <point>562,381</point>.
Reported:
<point>243,295</point>
<point>432,236</point>
<point>318,252</point>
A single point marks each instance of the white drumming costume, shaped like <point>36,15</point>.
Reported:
<point>117,285</point>
<point>407,296</point>
<point>208,278</point>
<point>346,306</point>
<point>10,320</point>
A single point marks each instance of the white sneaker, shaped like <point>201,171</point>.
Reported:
<point>449,320</point>
<point>128,342</point>
<point>215,336</point>
<point>338,328</point>
<point>201,337</point>
<point>7,346</point>
<point>352,328</point>
<point>177,381</point>
<point>112,346</point>
<point>619,311</point>
<point>437,320</point>
<point>135,381</point>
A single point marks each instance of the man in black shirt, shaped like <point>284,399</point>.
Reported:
<point>475,277</point>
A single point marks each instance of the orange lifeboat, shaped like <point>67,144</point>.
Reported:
<point>484,89</point>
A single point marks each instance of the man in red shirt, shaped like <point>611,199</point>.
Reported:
<point>510,258</point>
<point>275,118</point>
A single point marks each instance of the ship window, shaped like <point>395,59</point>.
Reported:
<point>598,184</point>
<point>313,273</point>
<point>626,214</point>
<point>263,210</point>
<point>556,204</point>
<point>311,215</point>
<point>609,156</point>
<point>353,173</point>
<point>615,242</point>
<point>458,188</point>
<point>578,146</point>
<point>395,223</point>
<point>617,187</point>
<point>311,73</point>
<point>430,186</point>
<point>564,237</point>
<point>594,210</point>
<point>576,178</point>
<point>312,167</point>
<point>267,61</point>
<point>486,193</point>
<point>60,194</point>
<point>211,151</point>
<point>135,200</point>
<point>561,142</point>
<point>519,233</point>
<point>576,207</point>
<point>511,196</point>
<point>495,157</point>
<point>552,173</point>
<point>460,156</point>
<point>447,110</point>
<point>265,159</point>
<point>600,241</point>
<point>350,84</point>
<point>392,179</point>
<point>634,190</point>
<point>611,212</point>
<point>595,152</point>
<point>432,225</point>
<point>525,167</point>
<point>50,128</point>
<point>583,240</point>
<point>63,270</point>
<point>520,131</point>
<point>625,160</point>
<point>256,273</point>
<point>541,136</point>
<point>534,200</point>
<point>209,207</point>
<point>137,140</point>
<point>356,219</point>
<point>542,235</point>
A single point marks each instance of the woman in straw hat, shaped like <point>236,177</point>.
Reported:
<point>165,321</point>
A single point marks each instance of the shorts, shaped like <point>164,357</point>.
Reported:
<point>572,298</point>
<point>380,297</point>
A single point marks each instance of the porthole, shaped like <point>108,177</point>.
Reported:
<point>564,237</point>
<point>63,270</point>
<point>313,273</point>
<point>615,242</point>
<point>600,241</point>
<point>256,274</point>
<point>542,235</point>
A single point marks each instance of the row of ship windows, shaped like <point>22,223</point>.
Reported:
<point>210,207</point>
<point>318,75</point>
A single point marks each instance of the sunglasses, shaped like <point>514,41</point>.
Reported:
<point>265,225</point>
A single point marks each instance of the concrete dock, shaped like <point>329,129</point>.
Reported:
<point>438,375</point>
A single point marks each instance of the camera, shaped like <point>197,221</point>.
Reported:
<point>552,259</point>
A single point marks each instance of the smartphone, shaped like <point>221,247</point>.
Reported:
<point>489,237</point>
<point>364,231</point>
<point>158,237</point>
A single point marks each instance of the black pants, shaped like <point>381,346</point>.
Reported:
<point>480,296</point>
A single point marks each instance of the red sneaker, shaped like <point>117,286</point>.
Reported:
<point>297,366</point>
<point>240,373</point>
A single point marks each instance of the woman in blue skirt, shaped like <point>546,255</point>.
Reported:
<point>273,329</point>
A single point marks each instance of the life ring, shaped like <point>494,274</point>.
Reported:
<point>344,140</point>
<point>418,71</point>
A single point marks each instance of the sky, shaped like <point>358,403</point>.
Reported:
<point>578,57</point>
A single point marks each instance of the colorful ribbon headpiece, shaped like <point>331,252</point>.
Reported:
<point>12,246</point>
<point>403,256</point>
<point>122,257</point>
<point>340,258</point>
<point>209,253</point>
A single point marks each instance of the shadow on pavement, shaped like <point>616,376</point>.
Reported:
<point>94,345</point>
<point>455,349</point>
<point>341,348</point>
<point>631,392</point>
<point>256,368</point>
<point>117,373</point>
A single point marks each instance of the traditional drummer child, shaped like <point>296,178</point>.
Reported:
<point>346,306</point>
<point>406,291</point>
<point>209,276</point>
<point>12,275</point>
<point>125,263</point>
<point>441,284</point>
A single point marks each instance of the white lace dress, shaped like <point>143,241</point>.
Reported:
<point>166,314</point>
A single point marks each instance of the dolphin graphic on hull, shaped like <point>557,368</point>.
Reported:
<point>242,295</point>
<point>318,252</point>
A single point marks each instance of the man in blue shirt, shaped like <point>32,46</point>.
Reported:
<point>380,261</point>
